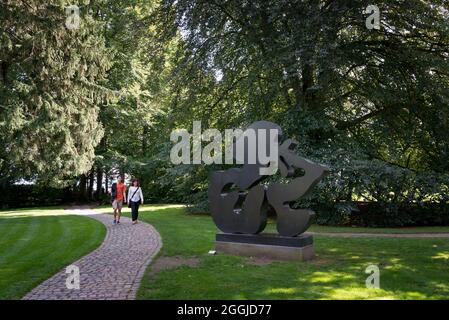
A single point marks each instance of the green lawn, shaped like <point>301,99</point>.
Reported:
<point>402,230</point>
<point>37,243</point>
<point>409,268</point>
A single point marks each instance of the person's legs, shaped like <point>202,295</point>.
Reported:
<point>119,210</point>
<point>133,211</point>
<point>137,210</point>
<point>114,206</point>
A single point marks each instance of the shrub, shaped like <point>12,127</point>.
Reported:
<point>15,196</point>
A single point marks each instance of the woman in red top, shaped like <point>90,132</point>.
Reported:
<point>120,197</point>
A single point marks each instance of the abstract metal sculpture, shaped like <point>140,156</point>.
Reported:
<point>239,202</point>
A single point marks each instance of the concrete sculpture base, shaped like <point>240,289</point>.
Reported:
<point>269,246</point>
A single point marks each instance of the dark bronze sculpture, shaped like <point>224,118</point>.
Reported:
<point>239,202</point>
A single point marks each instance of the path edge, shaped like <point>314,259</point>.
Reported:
<point>138,279</point>
<point>144,266</point>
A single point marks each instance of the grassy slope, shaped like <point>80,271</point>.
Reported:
<point>36,243</point>
<point>410,268</point>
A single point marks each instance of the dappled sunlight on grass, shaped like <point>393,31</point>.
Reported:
<point>442,255</point>
<point>144,208</point>
<point>414,295</point>
<point>323,277</point>
<point>44,212</point>
<point>407,267</point>
<point>281,290</point>
<point>33,212</point>
<point>440,286</point>
<point>155,207</point>
<point>358,293</point>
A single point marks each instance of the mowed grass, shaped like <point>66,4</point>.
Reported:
<point>37,243</point>
<point>401,230</point>
<point>409,268</point>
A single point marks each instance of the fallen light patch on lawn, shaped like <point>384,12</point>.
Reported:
<point>410,268</point>
<point>164,263</point>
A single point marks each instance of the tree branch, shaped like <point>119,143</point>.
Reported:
<point>342,125</point>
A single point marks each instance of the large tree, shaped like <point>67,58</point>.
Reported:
<point>50,89</point>
<point>318,58</point>
<point>347,93</point>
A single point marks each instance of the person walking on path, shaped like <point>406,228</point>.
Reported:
<point>135,199</point>
<point>118,194</point>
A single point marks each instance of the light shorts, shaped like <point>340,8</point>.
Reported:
<point>117,204</point>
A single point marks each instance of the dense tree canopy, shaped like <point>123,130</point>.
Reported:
<point>50,89</point>
<point>316,60</point>
<point>359,100</point>
<point>373,104</point>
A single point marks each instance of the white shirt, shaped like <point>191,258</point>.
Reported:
<point>137,196</point>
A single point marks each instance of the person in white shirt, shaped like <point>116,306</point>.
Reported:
<point>135,199</point>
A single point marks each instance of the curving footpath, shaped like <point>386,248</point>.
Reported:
<point>113,270</point>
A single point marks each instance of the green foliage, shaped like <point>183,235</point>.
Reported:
<point>373,105</point>
<point>50,88</point>
<point>21,196</point>
<point>371,193</point>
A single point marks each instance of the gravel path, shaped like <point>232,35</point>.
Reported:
<point>113,270</point>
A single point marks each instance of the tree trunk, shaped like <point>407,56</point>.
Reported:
<point>146,130</point>
<point>106,182</point>
<point>144,140</point>
<point>91,184</point>
<point>83,182</point>
<point>99,183</point>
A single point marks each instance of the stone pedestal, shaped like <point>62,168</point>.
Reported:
<point>268,246</point>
